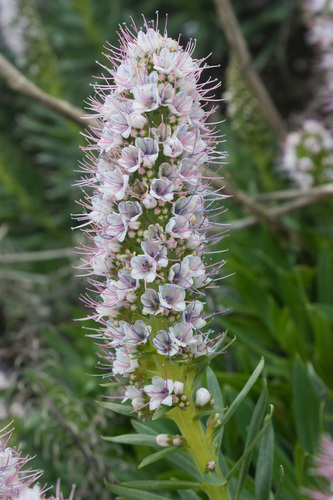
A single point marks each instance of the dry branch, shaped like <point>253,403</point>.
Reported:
<point>238,44</point>
<point>18,82</point>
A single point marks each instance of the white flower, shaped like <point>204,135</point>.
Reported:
<point>165,344</point>
<point>159,392</point>
<point>194,314</point>
<point>115,184</point>
<point>30,493</point>
<point>172,297</point>
<point>124,363</point>
<point>144,267</point>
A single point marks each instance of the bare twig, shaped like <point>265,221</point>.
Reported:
<point>237,43</point>
<point>312,196</point>
<point>260,212</point>
<point>18,82</point>
<point>322,191</point>
<point>60,253</point>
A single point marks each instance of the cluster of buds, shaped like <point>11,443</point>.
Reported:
<point>170,440</point>
<point>323,469</point>
<point>308,155</point>
<point>149,214</point>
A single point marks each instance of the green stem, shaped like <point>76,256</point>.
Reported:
<point>200,445</point>
<point>200,448</point>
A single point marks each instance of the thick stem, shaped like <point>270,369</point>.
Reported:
<point>200,448</point>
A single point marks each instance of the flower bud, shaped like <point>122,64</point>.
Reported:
<point>164,440</point>
<point>202,397</point>
<point>178,388</point>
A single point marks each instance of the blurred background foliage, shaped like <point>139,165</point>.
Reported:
<point>277,301</point>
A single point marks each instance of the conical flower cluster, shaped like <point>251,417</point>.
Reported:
<point>14,481</point>
<point>18,482</point>
<point>149,214</point>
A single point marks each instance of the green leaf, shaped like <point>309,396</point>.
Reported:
<point>209,412</point>
<point>143,439</point>
<point>162,485</point>
<point>142,428</point>
<point>256,420</point>
<point>235,404</point>
<point>264,467</point>
<point>212,477</point>
<point>249,449</point>
<point>133,494</point>
<point>161,412</point>
<point>214,388</point>
<point>159,455</point>
<point>188,495</point>
<point>279,489</point>
<point>306,407</point>
<point>123,409</point>
<point>324,276</point>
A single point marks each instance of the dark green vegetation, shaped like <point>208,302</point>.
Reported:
<point>278,302</point>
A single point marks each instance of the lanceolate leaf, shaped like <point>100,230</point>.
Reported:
<point>278,492</point>
<point>306,407</point>
<point>253,430</point>
<point>143,439</point>
<point>264,469</point>
<point>241,396</point>
<point>162,485</point>
<point>133,494</point>
<point>123,409</point>
<point>249,449</point>
<point>159,455</point>
<point>214,388</point>
<point>209,412</point>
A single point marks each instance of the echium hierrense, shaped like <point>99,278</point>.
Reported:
<point>150,214</point>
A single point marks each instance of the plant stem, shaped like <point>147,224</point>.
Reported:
<point>200,448</point>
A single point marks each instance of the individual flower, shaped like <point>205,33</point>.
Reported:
<point>159,392</point>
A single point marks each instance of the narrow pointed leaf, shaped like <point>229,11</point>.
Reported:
<point>143,439</point>
<point>306,407</point>
<point>209,412</point>
<point>142,428</point>
<point>161,412</point>
<point>249,449</point>
<point>264,469</point>
<point>132,493</point>
<point>188,495</point>
<point>117,408</point>
<point>235,404</point>
<point>279,489</point>
<point>162,485</point>
<point>256,420</point>
<point>212,477</point>
<point>214,388</point>
<point>159,455</point>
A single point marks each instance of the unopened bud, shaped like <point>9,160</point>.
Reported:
<point>178,388</point>
<point>202,397</point>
